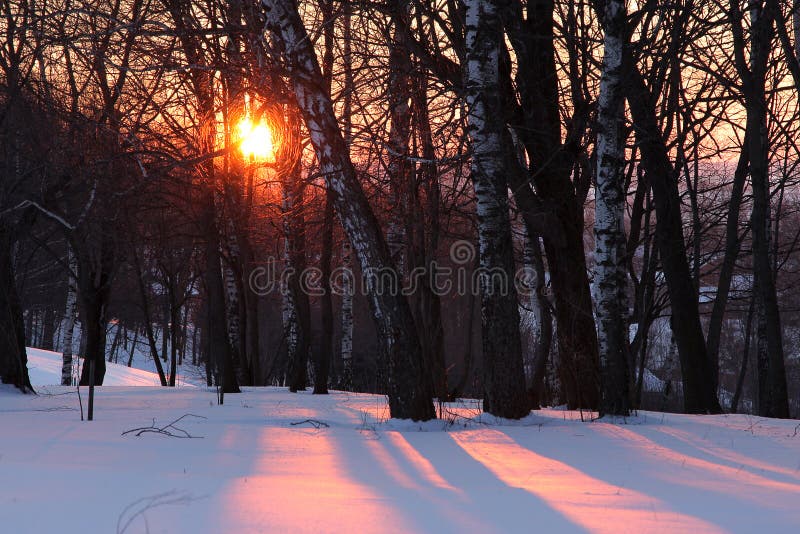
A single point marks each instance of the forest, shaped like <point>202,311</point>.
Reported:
<point>581,203</point>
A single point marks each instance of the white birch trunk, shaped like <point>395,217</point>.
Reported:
<point>347,253</point>
<point>503,374</point>
<point>69,320</point>
<point>609,225</point>
<point>232,294</point>
<point>289,312</point>
<point>409,391</point>
<point>347,318</point>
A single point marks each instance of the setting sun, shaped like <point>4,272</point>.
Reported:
<point>256,141</point>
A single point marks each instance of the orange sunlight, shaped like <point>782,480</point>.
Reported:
<point>278,493</point>
<point>256,141</point>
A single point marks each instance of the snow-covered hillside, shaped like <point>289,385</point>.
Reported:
<point>44,368</point>
<point>271,461</point>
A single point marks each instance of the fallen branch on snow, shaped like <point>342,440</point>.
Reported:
<point>312,422</point>
<point>167,430</point>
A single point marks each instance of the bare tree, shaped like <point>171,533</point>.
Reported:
<point>409,392</point>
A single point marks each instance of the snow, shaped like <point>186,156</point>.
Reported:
<point>251,470</point>
<point>44,367</point>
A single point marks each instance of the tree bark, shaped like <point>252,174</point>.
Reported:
<point>503,377</point>
<point>347,318</point>
<point>557,206</point>
<point>95,264</point>
<point>773,395</point>
<point>13,355</point>
<point>409,391</point>
<point>426,229</point>
<point>295,240</point>
<point>609,225</point>
<point>324,356</point>
<point>544,318</point>
<point>69,318</point>
<point>219,349</point>
<point>698,391</point>
<point>399,169</point>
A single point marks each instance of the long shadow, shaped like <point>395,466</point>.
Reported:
<point>708,450</point>
<point>441,488</point>
<point>684,483</point>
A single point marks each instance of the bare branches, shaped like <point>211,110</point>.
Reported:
<point>313,422</point>
<point>167,430</point>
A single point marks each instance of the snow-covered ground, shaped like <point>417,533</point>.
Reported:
<point>44,368</point>
<point>260,464</point>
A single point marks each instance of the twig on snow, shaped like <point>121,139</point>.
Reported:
<point>167,430</point>
<point>312,422</point>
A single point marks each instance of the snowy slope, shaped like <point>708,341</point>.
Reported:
<point>44,367</point>
<point>251,470</point>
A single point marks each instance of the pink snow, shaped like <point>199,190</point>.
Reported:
<point>251,470</point>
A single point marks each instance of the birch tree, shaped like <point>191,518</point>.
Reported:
<point>409,389</point>
<point>346,344</point>
<point>348,289</point>
<point>69,319</point>
<point>609,224</point>
<point>504,377</point>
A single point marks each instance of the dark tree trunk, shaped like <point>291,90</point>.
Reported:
<point>772,395</point>
<point>732,247</point>
<point>219,349</point>
<point>557,213</point>
<point>94,302</point>
<point>95,264</point>
<point>737,394</point>
<point>297,373</point>
<point>429,306</point>
<point>174,319</point>
<point>148,323</point>
<point>324,356</point>
<point>698,385</point>
<point>48,329</point>
<point>13,355</point>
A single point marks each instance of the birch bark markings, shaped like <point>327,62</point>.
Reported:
<point>346,345</point>
<point>69,319</point>
<point>609,228</point>
<point>409,389</point>
<point>504,378</point>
